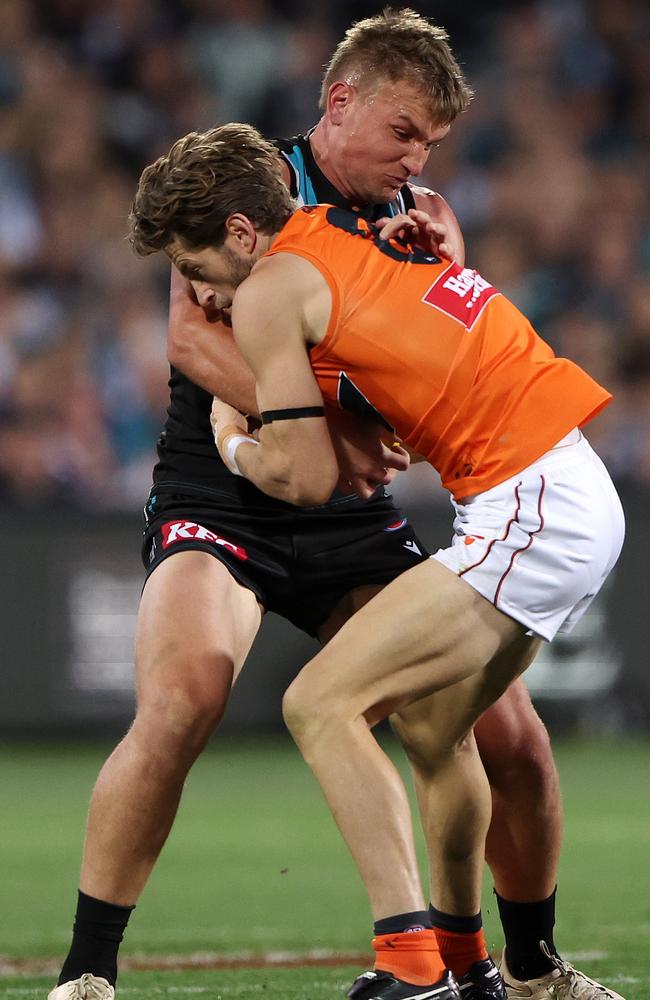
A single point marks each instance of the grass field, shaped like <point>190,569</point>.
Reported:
<point>255,866</point>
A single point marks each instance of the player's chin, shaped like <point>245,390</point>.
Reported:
<point>383,192</point>
<point>387,193</point>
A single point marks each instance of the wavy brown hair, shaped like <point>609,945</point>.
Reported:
<point>401,45</point>
<point>204,179</point>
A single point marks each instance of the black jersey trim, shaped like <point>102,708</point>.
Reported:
<point>407,197</point>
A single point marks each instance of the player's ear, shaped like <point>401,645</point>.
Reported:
<point>339,97</point>
<point>240,228</point>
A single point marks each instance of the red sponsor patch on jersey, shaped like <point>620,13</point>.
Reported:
<point>182,531</point>
<point>461,294</point>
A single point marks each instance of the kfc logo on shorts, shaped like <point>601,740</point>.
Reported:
<point>182,531</point>
<point>461,294</point>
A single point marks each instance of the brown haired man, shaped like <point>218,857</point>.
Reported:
<point>321,306</point>
<point>375,132</point>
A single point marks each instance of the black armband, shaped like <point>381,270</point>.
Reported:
<point>292,413</point>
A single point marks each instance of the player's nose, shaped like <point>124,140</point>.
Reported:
<point>204,294</point>
<point>415,159</point>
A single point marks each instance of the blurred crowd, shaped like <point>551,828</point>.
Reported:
<point>548,173</point>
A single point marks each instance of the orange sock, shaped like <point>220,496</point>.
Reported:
<point>413,956</point>
<point>459,951</point>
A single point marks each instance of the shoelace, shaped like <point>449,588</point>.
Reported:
<point>90,990</point>
<point>571,977</point>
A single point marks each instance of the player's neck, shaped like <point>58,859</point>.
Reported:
<point>322,141</point>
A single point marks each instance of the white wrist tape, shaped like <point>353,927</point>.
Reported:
<point>232,444</point>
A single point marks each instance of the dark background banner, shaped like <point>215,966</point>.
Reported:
<point>69,592</point>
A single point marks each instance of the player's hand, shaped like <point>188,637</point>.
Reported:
<point>368,456</point>
<point>418,227</point>
<point>226,421</point>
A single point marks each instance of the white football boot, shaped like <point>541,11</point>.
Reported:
<point>563,982</point>
<point>89,987</point>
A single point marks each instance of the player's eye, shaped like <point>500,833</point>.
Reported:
<point>401,134</point>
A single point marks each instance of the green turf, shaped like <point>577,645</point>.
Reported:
<point>276,984</point>
<point>255,864</point>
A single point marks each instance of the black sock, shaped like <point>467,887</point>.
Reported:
<point>98,930</point>
<point>453,924</point>
<point>418,920</point>
<point>524,926</point>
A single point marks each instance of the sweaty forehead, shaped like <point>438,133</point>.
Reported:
<point>390,97</point>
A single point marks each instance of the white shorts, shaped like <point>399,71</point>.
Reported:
<point>540,545</point>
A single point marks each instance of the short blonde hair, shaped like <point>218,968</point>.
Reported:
<point>205,178</point>
<point>402,45</point>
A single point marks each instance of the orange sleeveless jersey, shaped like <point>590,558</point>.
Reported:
<point>442,356</point>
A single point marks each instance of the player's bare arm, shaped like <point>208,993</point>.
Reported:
<point>282,308</point>
<point>367,456</point>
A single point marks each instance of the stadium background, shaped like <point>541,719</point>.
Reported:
<point>548,173</point>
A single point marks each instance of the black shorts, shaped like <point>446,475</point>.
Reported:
<point>299,562</point>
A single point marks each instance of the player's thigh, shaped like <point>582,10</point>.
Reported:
<point>447,716</point>
<point>347,606</point>
<point>346,555</point>
<point>424,631</point>
<point>195,627</point>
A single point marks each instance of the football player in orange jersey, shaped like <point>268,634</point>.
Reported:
<point>217,552</point>
<point>321,317</point>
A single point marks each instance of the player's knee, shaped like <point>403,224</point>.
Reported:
<point>179,719</point>
<point>533,761</point>
<point>176,733</point>
<point>424,754</point>
<point>428,747</point>
<point>524,761</point>
<point>298,712</point>
<point>308,713</point>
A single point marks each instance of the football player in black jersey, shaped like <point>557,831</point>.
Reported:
<point>239,553</point>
